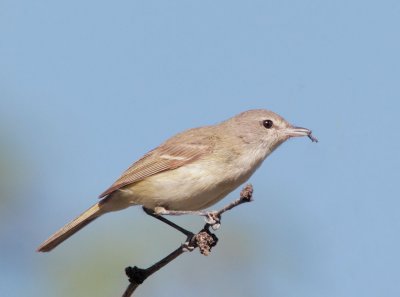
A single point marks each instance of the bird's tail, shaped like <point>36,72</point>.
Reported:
<point>71,228</point>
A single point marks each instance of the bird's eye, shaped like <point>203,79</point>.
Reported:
<point>268,124</point>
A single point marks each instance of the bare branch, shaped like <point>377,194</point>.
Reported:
<point>137,275</point>
<point>204,240</point>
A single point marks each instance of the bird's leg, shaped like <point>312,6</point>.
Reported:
<point>212,218</point>
<point>168,222</point>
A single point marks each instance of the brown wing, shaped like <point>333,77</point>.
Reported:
<point>168,156</point>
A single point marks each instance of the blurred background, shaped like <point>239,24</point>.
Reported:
<point>88,87</point>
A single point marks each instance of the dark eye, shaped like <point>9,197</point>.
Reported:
<point>268,124</point>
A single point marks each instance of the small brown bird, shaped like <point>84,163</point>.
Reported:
<point>192,170</point>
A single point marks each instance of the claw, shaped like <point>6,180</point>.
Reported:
<point>186,247</point>
<point>213,219</point>
<point>215,226</point>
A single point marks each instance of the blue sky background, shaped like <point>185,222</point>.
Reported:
<point>87,87</point>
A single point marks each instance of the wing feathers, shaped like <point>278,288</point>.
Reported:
<point>168,156</point>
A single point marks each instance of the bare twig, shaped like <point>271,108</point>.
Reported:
<point>204,240</point>
<point>137,275</point>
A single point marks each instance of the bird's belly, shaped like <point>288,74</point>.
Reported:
<point>191,187</point>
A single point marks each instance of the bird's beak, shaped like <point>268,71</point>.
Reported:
<point>299,131</point>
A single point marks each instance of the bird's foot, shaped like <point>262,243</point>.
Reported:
<point>213,219</point>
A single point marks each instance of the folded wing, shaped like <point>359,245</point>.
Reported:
<point>170,155</point>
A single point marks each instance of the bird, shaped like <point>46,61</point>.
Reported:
<point>192,170</point>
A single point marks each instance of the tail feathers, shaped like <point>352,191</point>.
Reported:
<point>71,228</point>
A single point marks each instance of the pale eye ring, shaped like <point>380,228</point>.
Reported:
<point>268,124</point>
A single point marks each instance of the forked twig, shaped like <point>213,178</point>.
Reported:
<point>204,240</point>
